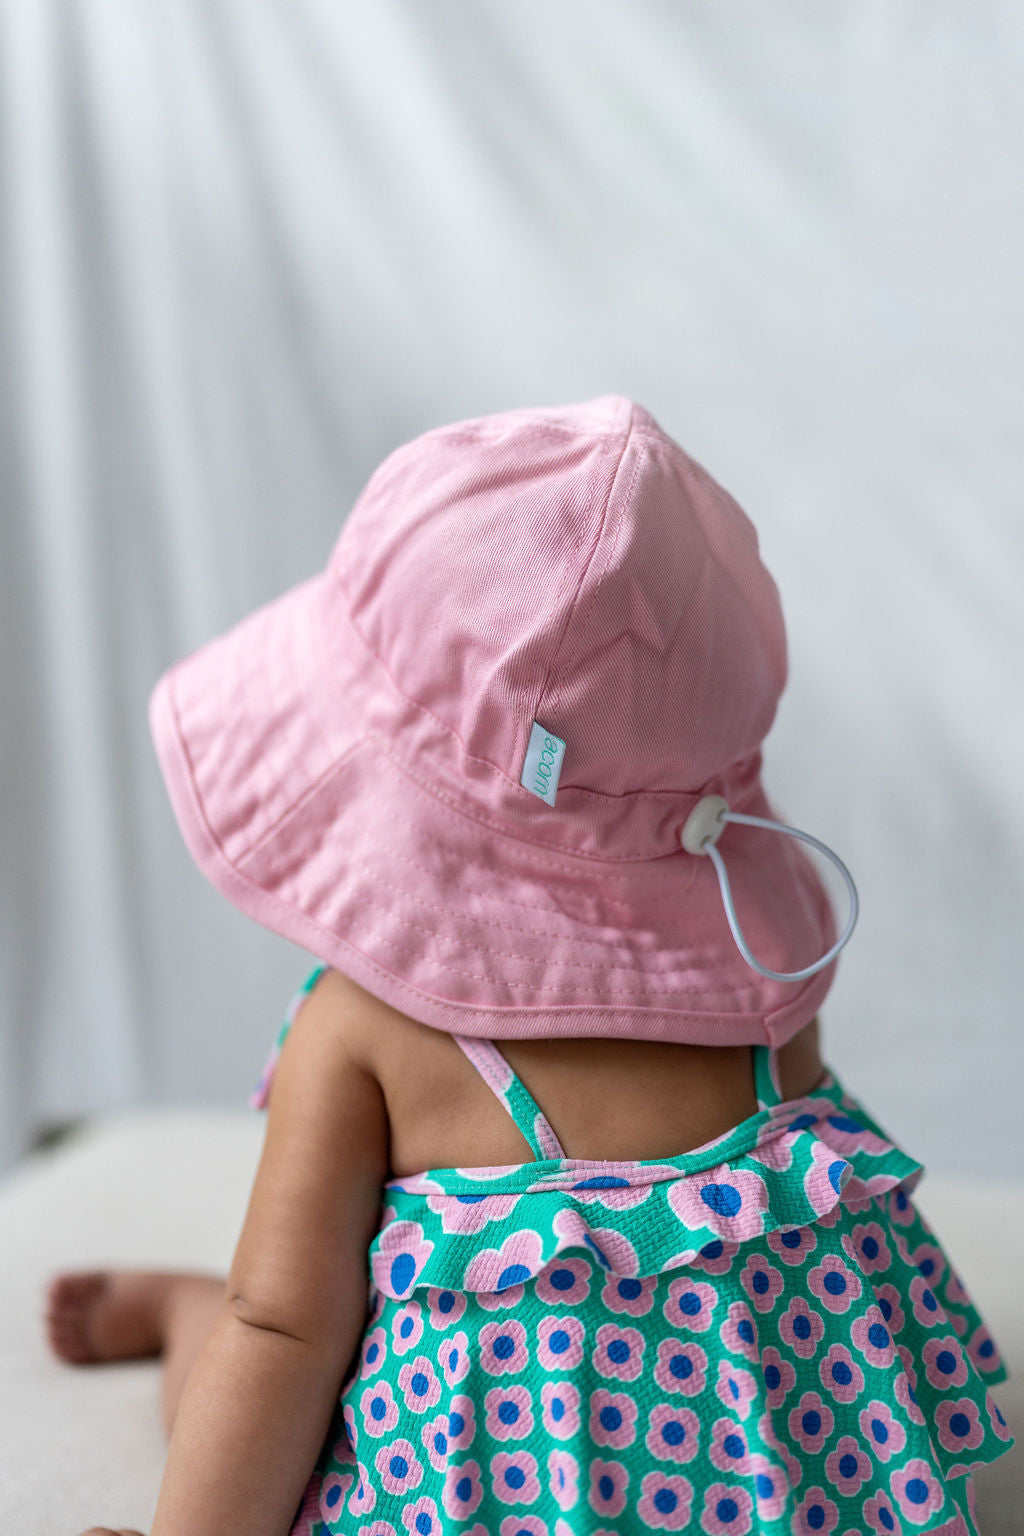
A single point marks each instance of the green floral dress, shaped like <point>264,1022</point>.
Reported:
<point>762,1335</point>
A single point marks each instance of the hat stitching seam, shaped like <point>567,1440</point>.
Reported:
<point>262,900</point>
<point>706,918</point>
<point>560,689</point>
<point>297,805</point>
<point>486,762</point>
<point>581,965</point>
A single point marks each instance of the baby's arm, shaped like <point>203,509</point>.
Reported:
<point>261,1392</point>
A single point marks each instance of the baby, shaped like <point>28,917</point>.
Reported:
<point>561,1226</point>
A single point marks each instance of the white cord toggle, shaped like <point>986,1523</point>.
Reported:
<point>705,825</point>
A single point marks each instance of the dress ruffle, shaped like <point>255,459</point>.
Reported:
<point>484,1229</point>
<point>814,1305</point>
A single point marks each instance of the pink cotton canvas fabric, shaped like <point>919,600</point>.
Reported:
<point>345,762</point>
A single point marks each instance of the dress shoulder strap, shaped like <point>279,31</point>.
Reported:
<point>513,1094</point>
<point>766,1077</point>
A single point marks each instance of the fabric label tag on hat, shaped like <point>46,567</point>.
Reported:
<point>544,757</point>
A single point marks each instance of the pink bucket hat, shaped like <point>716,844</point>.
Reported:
<point>459,764</point>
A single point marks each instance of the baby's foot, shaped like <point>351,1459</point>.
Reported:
<point>108,1314</point>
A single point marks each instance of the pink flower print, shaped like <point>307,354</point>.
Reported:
<point>611,1190</point>
<point>944,1362</point>
<point>930,1261</point>
<point>610,1248</point>
<point>496,1269</point>
<point>801,1328</point>
<point>779,1376</point>
<point>870,1251</point>
<point>379,1409</point>
<point>841,1375</point>
<point>514,1477</point>
<point>563,1479</point>
<point>761,1281</point>
<point>689,1304</point>
<point>736,1387</point>
<point>348,1415</point>
<point>419,1384</point>
<point>907,1398</point>
<point>775,1151</point>
<point>792,1245</point>
<point>729,1450</point>
<point>399,1467</point>
<point>847,1467</point>
<point>506,1300</point>
<point>825,1178</point>
<point>901,1210</point>
<point>608,1483</point>
<point>502,1347</point>
<point>726,1510</point>
<point>834,1283</point>
<point>446,1307</point>
<point>373,1353</point>
<point>995,1417</point>
<point>673,1434</point>
<point>959,1425</point>
<point>739,1331</point>
<point>509,1413</point>
<point>792,1467</point>
<point>363,1496</point>
<point>564,1282</point>
<point>467,1214</point>
<point>560,1408</point>
<point>333,1488</point>
<point>982,1350</point>
<point>434,1435</point>
<point>559,1342</point>
<point>829,1218</point>
<point>887,1298</point>
<point>916,1490</point>
<point>771,1487</point>
<point>461,1422</point>
<point>406,1327</point>
<point>731,1201</point>
<point>811,1422</point>
<point>715,1258</point>
<point>884,1434</point>
<point>401,1254</point>
<point>926,1304</point>
<point>816,1512</point>
<point>622,1293</point>
<point>665,1501</point>
<point>378,1528</point>
<point>956,1292</point>
<point>907,1361</point>
<point>462,1490</point>
<point>880,1513</point>
<point>517,1525</point>
<point>612,1418</point>
<point>453,1357</point>
<point>421,1518</point>
<point>848,1134</point>
<point>873,1339</point>
<point>681,1367</point>
<point>618,1352</point>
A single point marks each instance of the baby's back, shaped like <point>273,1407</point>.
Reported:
<point>605,1098</point>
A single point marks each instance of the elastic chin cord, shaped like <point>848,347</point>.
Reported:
<point>705,825</point>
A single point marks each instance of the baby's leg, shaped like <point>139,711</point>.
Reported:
<point>122,1314</point>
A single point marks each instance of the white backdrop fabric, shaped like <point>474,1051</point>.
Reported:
<point>249,248</point>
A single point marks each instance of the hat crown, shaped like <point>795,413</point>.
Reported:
<point>573,566</point>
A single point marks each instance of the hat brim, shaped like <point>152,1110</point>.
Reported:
<point>311,822</point>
